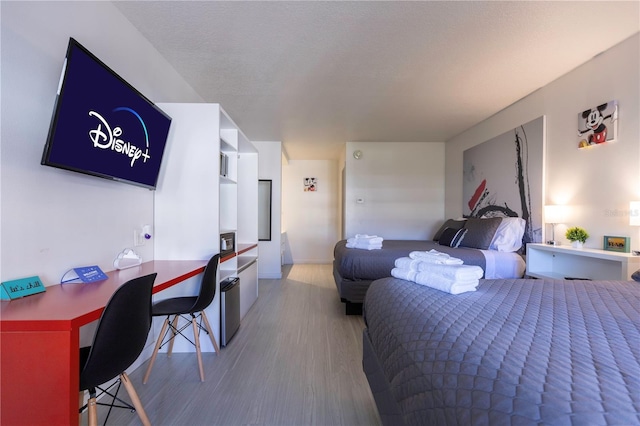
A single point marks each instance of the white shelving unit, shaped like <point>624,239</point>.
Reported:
<point>238,209</point>
<point>228,180</point>
<point>194,204</point>
<point>559,262</point>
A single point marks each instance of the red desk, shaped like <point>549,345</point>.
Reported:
<point>39,342</point>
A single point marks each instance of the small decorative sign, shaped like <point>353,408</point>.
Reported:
<point>16,289</point>
<point>620,244</point>
<point>85,274</point>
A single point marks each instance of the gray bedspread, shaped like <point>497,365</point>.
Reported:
<point>513,352</point>
<point>358,264</point>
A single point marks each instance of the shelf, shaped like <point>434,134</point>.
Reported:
<point>245,261</point>
<point>229,140</point>
<point>585,252</point>
<point>227,257</point>
<point>559,262</point>
<point>245,247</point>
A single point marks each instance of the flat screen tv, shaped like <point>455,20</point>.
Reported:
<point>103,126</point>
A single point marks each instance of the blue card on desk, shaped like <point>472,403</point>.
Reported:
<point>89,274</point>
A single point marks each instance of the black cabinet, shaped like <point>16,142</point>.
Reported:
<point>229,309</point>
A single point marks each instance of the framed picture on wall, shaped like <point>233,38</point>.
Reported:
<point>310,184</point>
<point>598,125</point>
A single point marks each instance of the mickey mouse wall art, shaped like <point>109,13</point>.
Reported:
<point>598,125</point>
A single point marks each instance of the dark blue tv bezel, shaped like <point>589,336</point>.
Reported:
<point>74,44</point>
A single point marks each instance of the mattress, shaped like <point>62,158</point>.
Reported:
<point>513,352</point>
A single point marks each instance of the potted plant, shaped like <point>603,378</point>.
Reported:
<point>577,236</point>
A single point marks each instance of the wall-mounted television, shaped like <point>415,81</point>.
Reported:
<point>103,126</point>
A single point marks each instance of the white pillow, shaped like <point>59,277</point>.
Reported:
<point>509,235</point>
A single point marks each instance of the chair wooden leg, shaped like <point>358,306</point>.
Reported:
<point>93,411</point>
<point>174,327</point>
<point>213,338</point>
<point>124,378</point>
<point>197,342</point>
<point>165,324</point>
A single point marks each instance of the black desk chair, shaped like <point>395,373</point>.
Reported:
<point>181,306</point>
<point>118,341</point>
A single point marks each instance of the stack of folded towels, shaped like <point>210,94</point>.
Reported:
<point>365,242</point>
<point>438,270</point>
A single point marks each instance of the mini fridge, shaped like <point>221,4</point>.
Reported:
<point>229,309</point>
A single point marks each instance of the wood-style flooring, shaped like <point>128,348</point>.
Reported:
<point>296,360</point>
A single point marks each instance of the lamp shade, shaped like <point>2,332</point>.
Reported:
<point>554,214</point>
<point>634,213</point>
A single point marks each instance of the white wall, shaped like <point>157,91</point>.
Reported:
<point>595,183</point>
<point>310,219</point>
<point>270,167</point>
<point>53,220</point>
<point>401,186</point>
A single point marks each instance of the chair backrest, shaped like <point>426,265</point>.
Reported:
<point>208,285</point>
<point>121,334</point>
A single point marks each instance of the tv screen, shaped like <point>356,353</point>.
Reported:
<point>103,126</point>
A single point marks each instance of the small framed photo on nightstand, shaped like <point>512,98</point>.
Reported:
<point>619,244</point>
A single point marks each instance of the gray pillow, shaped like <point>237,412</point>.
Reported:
<point>480,232</point>
<point>451,223</point>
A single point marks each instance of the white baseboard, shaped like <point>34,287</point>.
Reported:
<point>270,275</point>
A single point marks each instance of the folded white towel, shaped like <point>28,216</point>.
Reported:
<point>434,256</point>
<point>404,274</point>
<point>447,285</point>
<point>453,272</point>
<point>364,245</point>
<point>365,238</point>
<point>407,263</point>
<point>356,241</point>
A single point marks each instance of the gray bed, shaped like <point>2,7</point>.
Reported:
<point>355,269</point>
<point>515,351</point>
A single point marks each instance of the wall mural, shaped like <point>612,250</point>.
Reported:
<point>503,177</point>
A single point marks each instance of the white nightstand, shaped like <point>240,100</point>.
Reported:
<point>547,261</point>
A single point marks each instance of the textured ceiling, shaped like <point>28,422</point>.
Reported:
<point>315,75</point>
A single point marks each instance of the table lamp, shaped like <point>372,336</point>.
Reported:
<point>553,214</point>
